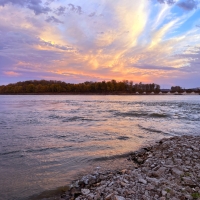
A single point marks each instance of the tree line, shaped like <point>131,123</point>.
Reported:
<point>44,86</point>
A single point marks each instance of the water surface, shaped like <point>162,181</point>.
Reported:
<point>47,141</point>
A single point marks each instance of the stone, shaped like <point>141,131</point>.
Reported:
<point>169,170</point>
<point>164,192</point>
<point>177,172</point>
<point>90,196</point>
<point>187,196</point>
<point>159,172</point>
<point>109,197</point>
<point>174,198</point>
<point>150,187</point>
<point>162,198</point>
<point>142,181</point>
<point>85,191</point>
<point>188,182</point>
<point>110,184</point>
<point>123,184</point>
<point>118,197</point>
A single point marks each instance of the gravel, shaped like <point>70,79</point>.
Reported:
<point>169,169</point>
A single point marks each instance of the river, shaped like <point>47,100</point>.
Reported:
<point>47,141</point>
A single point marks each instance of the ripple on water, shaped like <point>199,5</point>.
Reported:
<point>123,138</point>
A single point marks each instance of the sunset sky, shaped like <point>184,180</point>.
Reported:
<point>77,40</point>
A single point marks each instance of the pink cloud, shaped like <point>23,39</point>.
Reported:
<point>11,73</point>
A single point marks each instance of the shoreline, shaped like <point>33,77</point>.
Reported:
<point>100,94</point>
<point>168,169</point>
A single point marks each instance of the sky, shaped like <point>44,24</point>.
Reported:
<point>76,41</point>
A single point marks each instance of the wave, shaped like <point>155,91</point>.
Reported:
<point>71,119</point>
<point>131,114</point>
<point>61,136</point>
<point>41,150</point>
<point>76,118</point>
<point>153,130</point>
<point>159,115</point>
<point>142,114</point>
<point>9,152</point>
<point>55,117</point>
<point>35,150</point>
<point>123,138</point>
<point>3,123</point>
<point>104,158</point>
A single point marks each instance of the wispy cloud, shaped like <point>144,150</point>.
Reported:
<point>140,40</point>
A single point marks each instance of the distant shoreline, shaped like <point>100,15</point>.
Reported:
<point>92,94</point>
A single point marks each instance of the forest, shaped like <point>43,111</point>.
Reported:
<point>107,87</point>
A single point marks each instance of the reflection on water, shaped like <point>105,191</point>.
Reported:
<point>47,141</point>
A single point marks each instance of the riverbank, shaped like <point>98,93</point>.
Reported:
<point>99,94</point>
<point>169,169</point>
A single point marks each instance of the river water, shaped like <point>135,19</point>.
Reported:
<point>48,141</point>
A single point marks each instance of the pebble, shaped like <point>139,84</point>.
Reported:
<point>85,191</point>
<point>118,198</point>
<point>142,181</point>
<point>168,169</point>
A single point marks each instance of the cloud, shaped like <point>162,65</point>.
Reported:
<point>154,67</point>
<point>188,4</point>
<point>17,2</point>
<point>170,2</point>
<point>92,14</point>
<point>53,19</point>
<point>48,2</point>
<point>76,9</point>
<point>139,41</point>
<point>184,4</point>
<point>60,10</point>
<point>11,73</point>
<point>34,5</point>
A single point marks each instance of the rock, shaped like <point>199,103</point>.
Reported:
<point>162,198</point>
<point>118,197</point>
<point>164,192</point>
<point>188,182</point>
<point>153,181</point>
<point>187,196</point>
<point>109,197</point>
<point>159,172</point>
<point>168,170</point>
<point>110,184</point>
<point>123,171</point>
<point>174,198</point>
<point>85,191</point>
<point>86,181</point>
<point>142,181</point>
<point>150,187</point>
<point>124,184</point>
<point>187,162</point>
<point>90,196</point>
<point>176,172</point>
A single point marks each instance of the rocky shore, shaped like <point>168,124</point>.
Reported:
<point>168,169</point>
